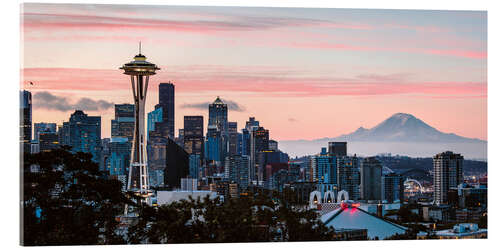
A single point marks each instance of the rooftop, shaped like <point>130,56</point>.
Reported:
<point>218,101</point>
<point>357,218</point>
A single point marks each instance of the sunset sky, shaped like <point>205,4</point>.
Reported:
<point>303,73</point>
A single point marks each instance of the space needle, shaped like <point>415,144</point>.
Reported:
<point>139,71</point>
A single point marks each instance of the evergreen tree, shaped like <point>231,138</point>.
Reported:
<point>68,201</point>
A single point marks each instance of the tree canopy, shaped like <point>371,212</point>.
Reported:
<point>68,201</point>
<point>253,218</point>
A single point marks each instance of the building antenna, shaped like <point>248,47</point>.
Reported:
<point>139,47</point>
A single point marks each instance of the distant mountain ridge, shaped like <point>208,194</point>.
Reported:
<point>401,133</point>
<point>402,127</point>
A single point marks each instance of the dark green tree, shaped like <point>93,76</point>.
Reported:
<point>68,201</point>
<point>164,224</point>
<point>252,218</point>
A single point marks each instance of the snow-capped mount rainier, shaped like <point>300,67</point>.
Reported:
<point>402,127</point>
<point>402,134</point>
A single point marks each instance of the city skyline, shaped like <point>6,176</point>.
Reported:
<point>431,64</point>
<point>251,124</point>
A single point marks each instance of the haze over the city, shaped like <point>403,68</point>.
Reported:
<point>303,73</point>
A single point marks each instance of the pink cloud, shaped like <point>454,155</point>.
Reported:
<point>267,83</point>
<point>227,23</point>
<point>348,47</point>
<point>419,28</point>
<point>458,53</point>
<point>38,21</point>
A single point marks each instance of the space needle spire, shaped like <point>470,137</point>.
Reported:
<point>139,71</point>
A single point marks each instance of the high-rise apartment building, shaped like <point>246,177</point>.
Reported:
<point>448,173</point>
<point>236,170</point>
<point>348,178</point>
<point>324,168</point>
<point>371,179</point>
<point>392,187</point>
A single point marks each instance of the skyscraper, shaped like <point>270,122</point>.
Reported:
<point>213,145</point>
<point>371,179</point>
<point>245,142</point>
<point>123,124</point>
<point>233,138</point>
<point>259,141</point>
<point>25,121</point>
<point>119,156</point>
<point>277,175</point>
<point>236,170</point>
<point>324,168</point>
<point>217,115</point>
<point>157,153</point>
<point>161,129</point>
<point>239,144</point>
<point>177,165</point>
<point>43,127</point>
<point>120,144</point>
<point>273,145</point>
<point>104,162</point>
<point>217,118</point>
<point>348,175</point>
<point>448,173</point>
<point>83,134</point>
<point>180,139</point>
<point>166,100</point>
<point>392,187</point>
<point>63,134</point>
<point>193,135</point>
<point>154,117</point>
<point>194,166</point>
<point>337,148</point>
<point>251,123</point>
<point>264,158</point>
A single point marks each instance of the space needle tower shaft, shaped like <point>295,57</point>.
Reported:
<point>139,71</point>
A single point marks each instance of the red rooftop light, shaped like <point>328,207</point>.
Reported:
<point>349,204</point>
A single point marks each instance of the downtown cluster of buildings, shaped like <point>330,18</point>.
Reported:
<point>231,163</point>
<point>216,160</point>
<point>227,162</point>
